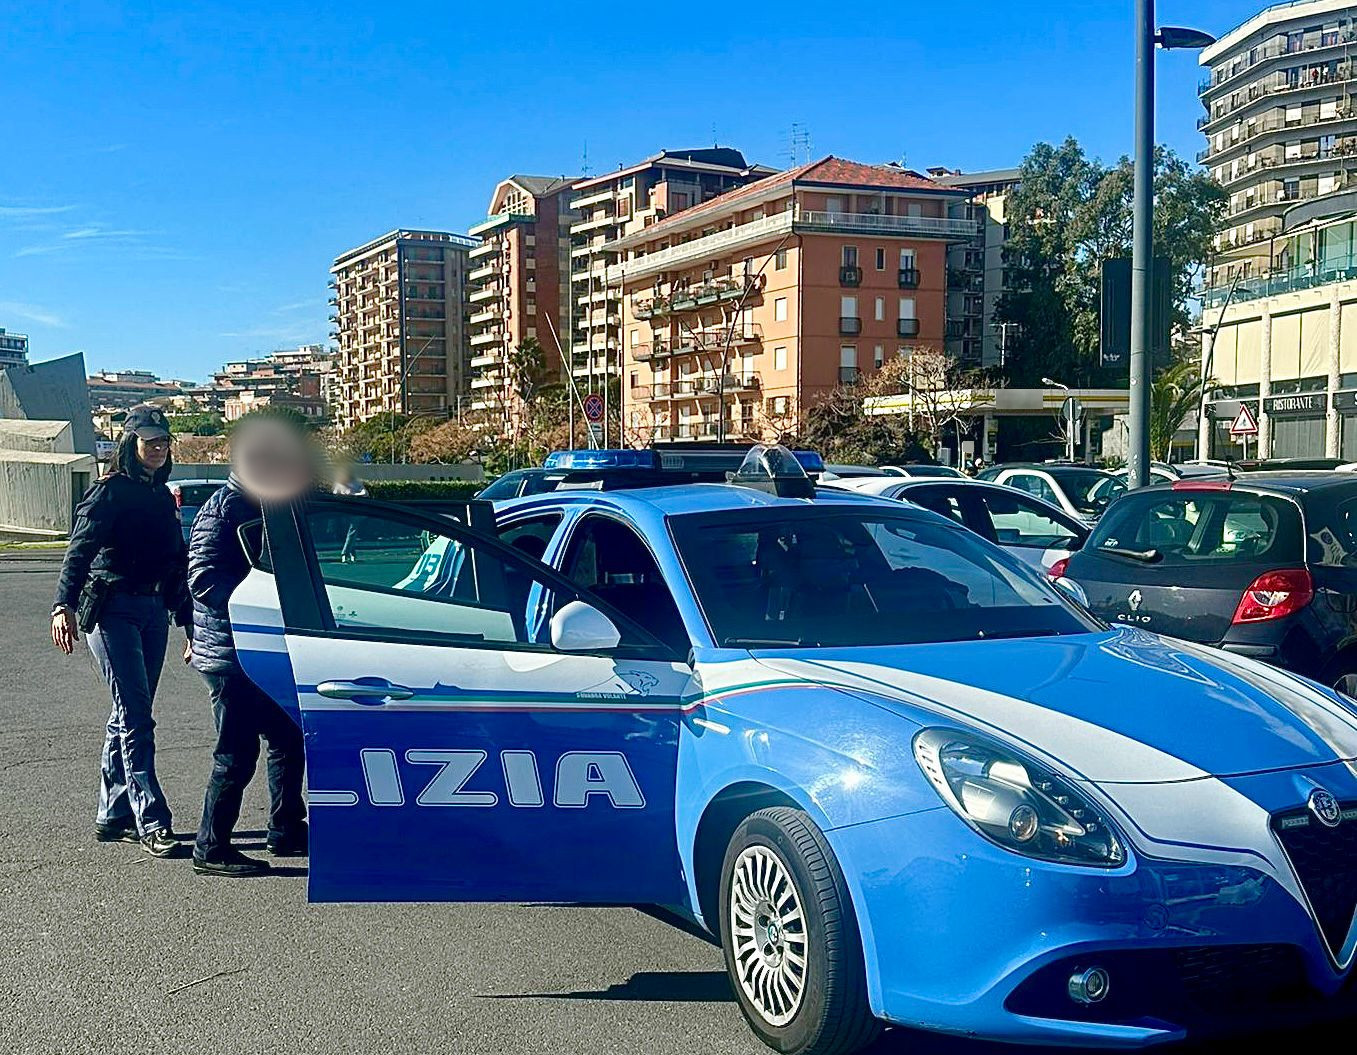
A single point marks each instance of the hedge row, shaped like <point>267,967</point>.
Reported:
<point>396,490</point>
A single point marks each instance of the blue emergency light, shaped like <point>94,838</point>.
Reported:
<point>666,464</point>
<point>581,460</point>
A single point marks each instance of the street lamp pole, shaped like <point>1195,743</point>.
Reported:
<point>1138,460</point>
<point>1142,233</point>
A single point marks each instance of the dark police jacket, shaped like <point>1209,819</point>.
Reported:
<point>127,532</point>
<point>216,566</point>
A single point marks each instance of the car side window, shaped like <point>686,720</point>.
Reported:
<point>939,499</point>
<point>386,575</point>
<point>532,535</point>
<point>1034,485</point>
<point>1020,522</point>
<point>611,561</point>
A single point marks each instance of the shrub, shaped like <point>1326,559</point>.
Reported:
<point>398,490</point>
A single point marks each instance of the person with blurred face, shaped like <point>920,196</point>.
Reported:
<point>271,462</point>
<point>122,579</point>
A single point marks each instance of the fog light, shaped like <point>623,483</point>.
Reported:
<point>1089,986</point>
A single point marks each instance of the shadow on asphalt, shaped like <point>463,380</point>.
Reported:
<point>667,986</point>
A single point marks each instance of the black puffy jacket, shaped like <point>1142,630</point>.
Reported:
<point>127,532</point>
<point>216,566</point>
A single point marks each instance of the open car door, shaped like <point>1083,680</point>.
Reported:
<point>454,752</point>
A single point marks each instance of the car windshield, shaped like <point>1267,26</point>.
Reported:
<point>817,577</point>
<point>510,485</point>
<point>1088,490</point>
<point>933,470</point>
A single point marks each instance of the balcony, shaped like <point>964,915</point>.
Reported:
<point>485,293</point>
<point>879,223</point>
<point>483,317</point>
<point>850,276</point>
<point>483,273</point>
<point>597,197</point>
<point>748,382</point>
<point>485,359</point>
<point>907,327</point>
<point>650,352</point>
<point>908,278</point>
<point>849,325</point>
<point>484,251</point>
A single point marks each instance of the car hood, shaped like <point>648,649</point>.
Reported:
<point>1121,706</point>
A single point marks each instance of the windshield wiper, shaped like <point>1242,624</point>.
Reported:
<point>767,642</point>
<point>994,635</point>
<point>1145,556</point>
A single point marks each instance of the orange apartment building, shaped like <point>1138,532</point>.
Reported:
<point>519,285</point>
<point>615,204</point>
<point>739,313</point>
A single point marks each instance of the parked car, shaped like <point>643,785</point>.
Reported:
<point>1035,531</point>
<point>913,469</point>
<point>835,472</point>
<point>898,776</point>
<point>189,496</point>
<point>1079,490</point>
<point>1263,566</point>
<point>515,483</point>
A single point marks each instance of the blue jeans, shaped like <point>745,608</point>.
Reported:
<point>243,714</point>
<point>129,643</point>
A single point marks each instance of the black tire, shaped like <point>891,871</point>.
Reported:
<point>831,1015</point>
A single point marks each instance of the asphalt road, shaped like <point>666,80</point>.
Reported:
<point>103,949</point>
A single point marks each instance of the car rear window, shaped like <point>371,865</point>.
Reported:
<point>1186,528</point>
<point>197,494</point>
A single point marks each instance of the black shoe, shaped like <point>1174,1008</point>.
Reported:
<point>116,833</point>
<point>295,843</point>
<point>233,863</point>
<point>160,843</point>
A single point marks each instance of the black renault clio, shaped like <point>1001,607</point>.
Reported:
<point>1264,566</point>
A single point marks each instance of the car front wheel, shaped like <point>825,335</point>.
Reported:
<point>790,938</point>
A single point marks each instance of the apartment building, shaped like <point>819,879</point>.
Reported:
<point>739,313</point>
<point>519,285</point>
<point>13,349</point>
<point>976,274</point>
<point>622,203</point>
<point>295,378</point>
<point>120,389</point>
<point>400,325</point>
<point>1280,123</point>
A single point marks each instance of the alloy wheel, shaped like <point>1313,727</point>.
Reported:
<point>769,932</point>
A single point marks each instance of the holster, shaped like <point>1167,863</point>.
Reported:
<point>92,599</point>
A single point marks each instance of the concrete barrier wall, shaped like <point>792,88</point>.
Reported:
<point>39,495</point>
<point>462,471</point>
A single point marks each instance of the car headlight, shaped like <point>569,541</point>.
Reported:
<point>1016,802</point>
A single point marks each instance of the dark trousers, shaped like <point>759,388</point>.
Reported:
<point>129,643</point>
<point>243,714</point>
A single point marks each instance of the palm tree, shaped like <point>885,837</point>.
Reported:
<point>1175,394</point>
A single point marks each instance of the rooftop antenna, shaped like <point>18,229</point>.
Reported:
<point>584,159</point>
<point>715,141</point>
<point>798,144</point>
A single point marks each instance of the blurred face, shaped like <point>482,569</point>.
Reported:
<point>152,453</point>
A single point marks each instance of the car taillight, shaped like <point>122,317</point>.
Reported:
<point>1275,594</point>
<point>1057,570</point>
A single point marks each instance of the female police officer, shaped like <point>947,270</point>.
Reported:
<point>125,568</point>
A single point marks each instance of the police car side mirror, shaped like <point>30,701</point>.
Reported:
<point>580,627</point>
<point>1072,590</point>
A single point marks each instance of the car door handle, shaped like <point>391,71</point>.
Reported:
<point>369,690</point>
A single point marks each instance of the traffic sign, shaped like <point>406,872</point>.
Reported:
<point>1244,423</point>
<point>593,407</point>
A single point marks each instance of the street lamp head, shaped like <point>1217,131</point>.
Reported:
<point>1052,384</point>
<point>1178,37</point>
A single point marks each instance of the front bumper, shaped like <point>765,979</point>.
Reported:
<point>963,937</point>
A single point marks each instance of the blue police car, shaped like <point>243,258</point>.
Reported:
<point>900,776</point>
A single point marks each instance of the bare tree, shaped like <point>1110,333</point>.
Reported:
<point>940,391</point>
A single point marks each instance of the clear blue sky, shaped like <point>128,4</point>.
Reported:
<point>176,178</point>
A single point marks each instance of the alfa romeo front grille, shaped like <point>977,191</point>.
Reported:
<point>1325,862</point>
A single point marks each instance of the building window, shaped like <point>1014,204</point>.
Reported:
<point>678,201</point>
<point>850,256</point>
<point>779,358</point>
<point>878,356</point>
<point>906,259</point>
<point>848,307</point>
<point>780,309</point>
<point>906,307</point>
<point>780,260</point>
<point>848,364</point>
<point>881,259</point>
<point>880,309</point>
